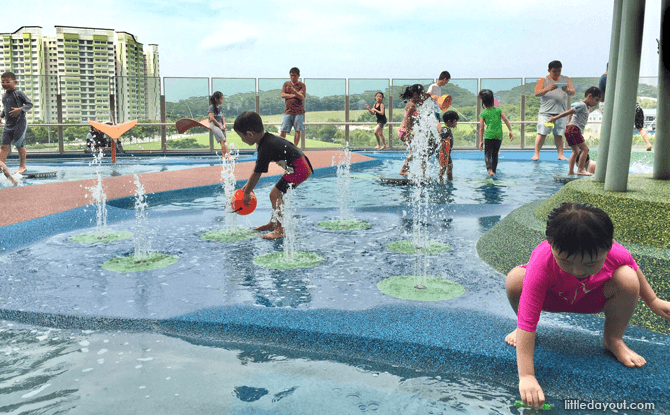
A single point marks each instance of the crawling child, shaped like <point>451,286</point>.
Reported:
<point>578,269</point>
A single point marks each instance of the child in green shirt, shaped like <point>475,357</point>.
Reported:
<point>490,120</point>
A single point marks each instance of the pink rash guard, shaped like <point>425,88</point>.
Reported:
<point>547,287</point>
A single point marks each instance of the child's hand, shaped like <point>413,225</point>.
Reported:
<point>367,107</point>
<point>661,308</point>
<point>511,137</point>
<point>15,112</point>
<point>531,392</point>
<point>481,146</point>
<point>552,87</point>
<point>246,198</point>
<point>552,119</point>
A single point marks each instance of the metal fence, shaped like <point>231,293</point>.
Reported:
<point>335,109</point>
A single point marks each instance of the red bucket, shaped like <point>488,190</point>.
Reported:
<point>238,205</point>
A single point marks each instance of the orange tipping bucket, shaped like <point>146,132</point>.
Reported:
<point>238,205</point>
<point>444,102</point>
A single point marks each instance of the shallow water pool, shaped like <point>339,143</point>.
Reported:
<point>113,342</point>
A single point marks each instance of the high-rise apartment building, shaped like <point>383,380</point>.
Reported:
<point>87,66</point>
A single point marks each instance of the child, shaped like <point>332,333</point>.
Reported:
<point>639,125</point>
<point>249,127</point>
<point>216,122</point>
<point>294,93</point>
<point>573,132</point>
<point>491,120</point>
<point>578,269</point>
<point>16,105</point>
<point>450,119</point>
<point>435,91</point>
<point>414,95</point>
<point>379,110</point>
<point>95,141</point>
<point>8,175</point>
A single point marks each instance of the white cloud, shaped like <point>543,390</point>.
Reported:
<point>233,34</point>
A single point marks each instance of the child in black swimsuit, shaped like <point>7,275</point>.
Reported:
<point>380,111</point>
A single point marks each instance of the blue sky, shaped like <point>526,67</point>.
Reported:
<point>356,38</point>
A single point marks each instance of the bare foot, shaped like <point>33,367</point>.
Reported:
<point>511,338</point>
<point>403,172</point>
<point>562,157</point>
<point>382,147</point>
<point>584,173</point>
<point>491,172</point>
<point>377,147</point>
<point>571,173</point>
<point>273,235</point>
<point>535,157</point>
<point>649,148</point>
<point>268,227</point>
<point>20,171</point>
<point>623,354</point>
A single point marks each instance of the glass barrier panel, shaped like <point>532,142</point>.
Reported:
<point>324,136</point>
<point>143,106</point>
<point>532,105</point>
<point>324,103</point>
<point>239,95</point>
<point>272,105</point>
<point>647,92</point>
<point>186,98</point>
<point>507,95</point>
<point>362,92</point>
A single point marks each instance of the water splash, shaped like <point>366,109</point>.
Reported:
<point>424,142</point>
<point>290,224</point>
<point>228,182</point>
<point>142,236</point>
<point>98,196</point>
<point>344,182</point>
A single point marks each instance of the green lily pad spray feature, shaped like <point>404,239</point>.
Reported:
<point>289,258</point>
<point>520,404</point>
<point>344,223</point>
<point>143,259</point>
<point>98,197</point>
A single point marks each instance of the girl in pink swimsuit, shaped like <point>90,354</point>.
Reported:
<point>578,269</point>
<point>414,95</point>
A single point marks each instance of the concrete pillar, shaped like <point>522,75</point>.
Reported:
<point>606,126</point>
<point>628,77</point>
<point>662,138</point>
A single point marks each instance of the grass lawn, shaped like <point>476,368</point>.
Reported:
<point>203,140</point>
<point>318,116</point>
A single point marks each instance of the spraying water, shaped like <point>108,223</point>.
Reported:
<point>142,239</point>
<point>98,196</point>
<point>423,144</point>
<point>290,224</point>
<point>228,184</point>
<point>343,182</point>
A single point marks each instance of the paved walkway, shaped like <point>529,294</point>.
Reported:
<point>30,202</point>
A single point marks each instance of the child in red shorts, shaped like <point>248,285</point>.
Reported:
<point>249,126</point>
<point>574,131</point>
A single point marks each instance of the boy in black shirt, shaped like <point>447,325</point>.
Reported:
<point>249,127</point>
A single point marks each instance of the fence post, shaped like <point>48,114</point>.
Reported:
<point>346,120</point>
<point>479,111</point>
<point>163,127</point>
<point>59,108</point>
<point>390,120</point>
<point>522,132</point>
